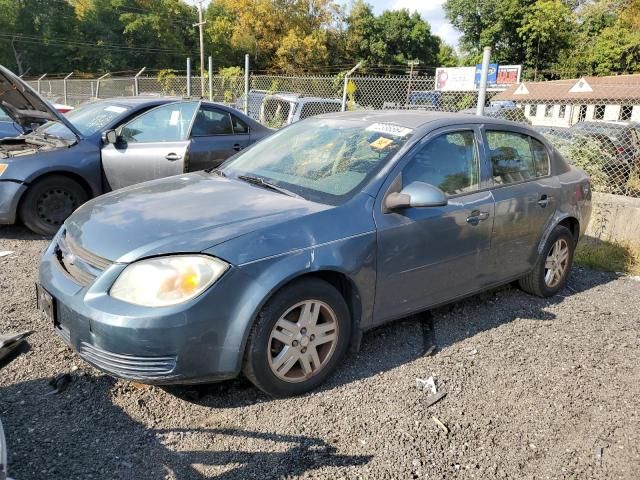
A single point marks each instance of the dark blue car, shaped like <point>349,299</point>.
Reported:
<point>104,145</point>
<point>274,263</point>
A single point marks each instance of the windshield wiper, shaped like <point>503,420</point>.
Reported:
<point>263,183</point>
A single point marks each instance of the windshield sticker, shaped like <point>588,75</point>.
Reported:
<point>115,109</point>
<point>381,143</point>
<point>389,129</point>
<point>175,118</point>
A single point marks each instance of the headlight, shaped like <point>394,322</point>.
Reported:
<point>164,281</point>
<point>3,167</point>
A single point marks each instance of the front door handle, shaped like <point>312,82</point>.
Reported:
<point>476,217</point>
<point>237,147</point>
<point>172,157</point>
<point>544,201</point>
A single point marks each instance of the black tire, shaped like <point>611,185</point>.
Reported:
<point>534,282</point>
<point>256,360</point>
<point>49,201</point>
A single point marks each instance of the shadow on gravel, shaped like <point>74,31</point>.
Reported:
<point>18,232</point>
<point>80,433</point>
<point>389,346</point>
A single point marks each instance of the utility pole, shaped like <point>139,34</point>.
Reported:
<point>200,24</point>
<point>411,63</point>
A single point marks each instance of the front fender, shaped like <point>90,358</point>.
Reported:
<point>353,257</point>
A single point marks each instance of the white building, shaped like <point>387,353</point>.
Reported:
<point>561,103</point>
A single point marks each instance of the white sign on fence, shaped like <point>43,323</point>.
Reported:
<point>457,79</point>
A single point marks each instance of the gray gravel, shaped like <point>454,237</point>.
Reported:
<point>534,389</point>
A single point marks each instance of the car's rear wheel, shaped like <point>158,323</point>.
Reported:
<point>554,264</point>
<point>48,202</point>
<point>298,339</point>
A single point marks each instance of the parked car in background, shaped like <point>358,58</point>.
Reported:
<point>275,262</point>
<point>624,135</point>
<point>283,109</point>
<point>105,145</point>
<point>8,128</point>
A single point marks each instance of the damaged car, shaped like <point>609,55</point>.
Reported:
<point>275,262</point>
<point>102,146</point>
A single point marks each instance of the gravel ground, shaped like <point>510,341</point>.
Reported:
<point>535,388</point>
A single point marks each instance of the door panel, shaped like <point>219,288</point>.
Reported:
<point>430,255</point>
<point>152,145</point>
<point>216,135</point>
<point>128,164</point>
<point>525,195</point>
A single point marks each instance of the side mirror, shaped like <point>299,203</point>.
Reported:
<point>416,195</point>
<point>109,136</point>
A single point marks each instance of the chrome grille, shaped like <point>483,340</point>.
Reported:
<point>79,264</point>
<point>127,366</point>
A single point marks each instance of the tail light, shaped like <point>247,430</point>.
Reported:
<point>619,150</point>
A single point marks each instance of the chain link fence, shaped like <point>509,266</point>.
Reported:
<point>594,121</point>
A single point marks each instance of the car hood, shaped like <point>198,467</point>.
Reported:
<point>186,213</point>
<point>25,106</point>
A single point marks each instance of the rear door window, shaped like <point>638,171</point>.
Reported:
<point>516,157</point>
<point>211,121</point>
<point>239,127</point>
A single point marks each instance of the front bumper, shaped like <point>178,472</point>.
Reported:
<point>198,341</point>
<point>10,193</point>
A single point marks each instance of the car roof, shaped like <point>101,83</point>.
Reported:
<point>417,118</point>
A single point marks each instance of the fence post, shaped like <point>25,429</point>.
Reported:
<point>40,78</point>
<point>188,77</point>
<point>246,84</point>
<point>482,92</point>
<point>210,78</point>
<point>136,85</point>
<point>98,84</point>
<point>64,88</point>
<point>346,83</point>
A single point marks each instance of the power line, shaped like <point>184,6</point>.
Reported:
<point>33,39</point>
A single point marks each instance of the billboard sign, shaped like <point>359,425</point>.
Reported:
<point>455,79</point>
<point>508,75</point>
<point>492,76</point>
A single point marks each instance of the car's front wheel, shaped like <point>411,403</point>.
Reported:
<point>298,339</point>
<point>49,201</point>
<point>554,264</point>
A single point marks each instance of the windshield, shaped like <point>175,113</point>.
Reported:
<point>323,160</point>
<point>88,119</point>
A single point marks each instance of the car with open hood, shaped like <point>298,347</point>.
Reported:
<point>275,262</point>
<point>104,145</point>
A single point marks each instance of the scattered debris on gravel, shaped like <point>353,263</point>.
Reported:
<point>536,388</point>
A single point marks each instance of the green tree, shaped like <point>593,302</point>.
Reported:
<point>392,38</point>
<point>547,28</point>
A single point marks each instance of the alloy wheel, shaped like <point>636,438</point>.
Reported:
<point>556,264</point>
<point>302,341</point>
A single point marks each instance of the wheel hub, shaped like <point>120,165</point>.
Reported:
<point>302,341</point>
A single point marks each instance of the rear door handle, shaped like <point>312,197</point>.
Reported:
<point>237,147</point>
<point>172,157</point>
<point>544,201</point>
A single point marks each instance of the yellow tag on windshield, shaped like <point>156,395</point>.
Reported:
<point>381,143</point>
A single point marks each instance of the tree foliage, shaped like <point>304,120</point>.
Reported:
<point>292,36</point>
<point>552,38</point>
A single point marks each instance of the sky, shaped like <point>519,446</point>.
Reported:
<point>430,10</point>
